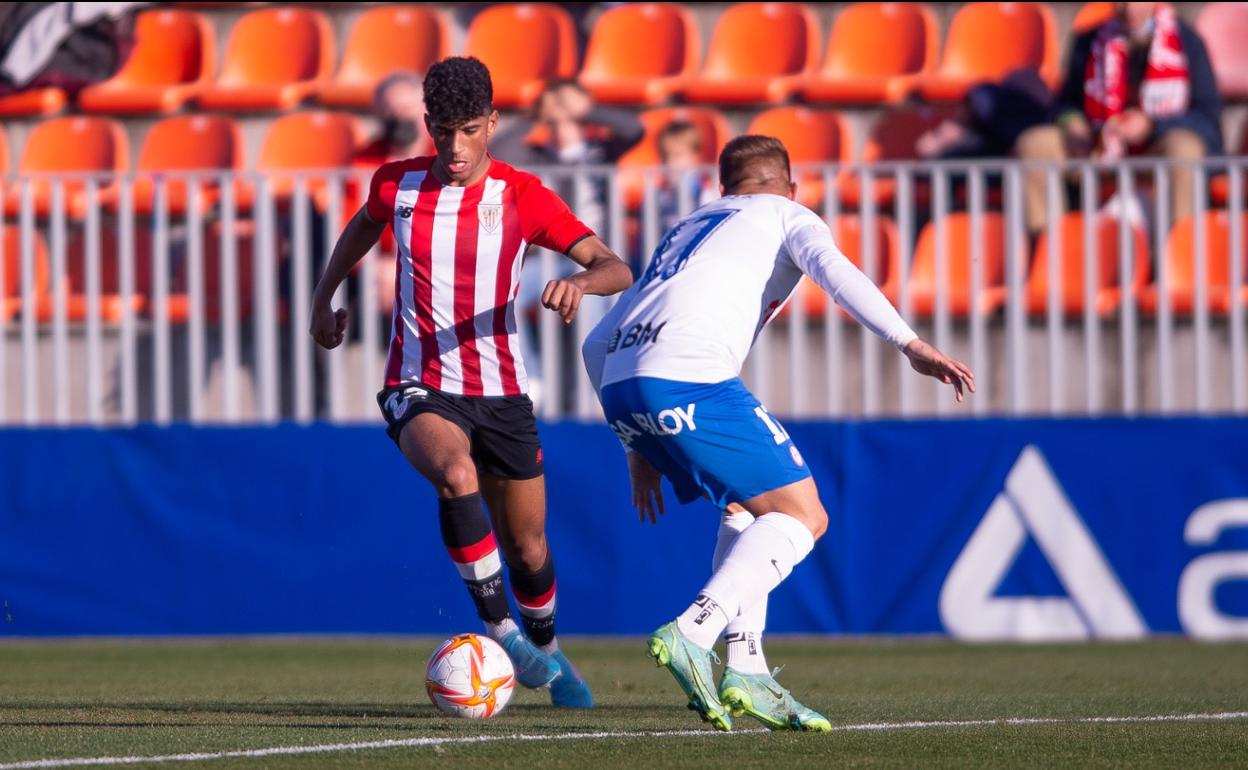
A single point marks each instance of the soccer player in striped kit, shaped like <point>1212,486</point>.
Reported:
<point>455,390</point>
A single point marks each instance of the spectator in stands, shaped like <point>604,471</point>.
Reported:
<point>990,120</point>
<point>568,128</point>
<point>1139,84</point>
<point>399,107</point>
<point>680,152</point>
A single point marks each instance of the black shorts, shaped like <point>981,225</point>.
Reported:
<point>502,430</point>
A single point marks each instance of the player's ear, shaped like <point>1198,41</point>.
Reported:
<point>722,190</point>
<point>491,123</point>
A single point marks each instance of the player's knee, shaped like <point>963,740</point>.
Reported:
<point>457,477</point>
<point>816,521</point>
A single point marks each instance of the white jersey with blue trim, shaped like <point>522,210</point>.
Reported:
<point>715,280</point>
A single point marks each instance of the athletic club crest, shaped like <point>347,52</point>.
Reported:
<point>490,215</point>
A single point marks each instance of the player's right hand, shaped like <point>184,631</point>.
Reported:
<point>328,327</point>
<point>925,358</point>
<point>647,487</point>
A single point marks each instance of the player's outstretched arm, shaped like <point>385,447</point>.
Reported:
<point>605,274</point>
<point>927,359</point>
<point>329,326</point>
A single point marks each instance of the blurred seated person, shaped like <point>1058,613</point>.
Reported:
<point>989,120</point>
<point>1139,84</point>
<point>567,127</point>
<point>680,152</point>
<point>399,107</point>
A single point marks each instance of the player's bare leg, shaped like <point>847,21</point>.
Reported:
<point>518,510</point>
<point>440,450</point>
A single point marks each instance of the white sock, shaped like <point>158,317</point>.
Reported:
<point>745,651</point>
<point>550,649</point>
<point>760,559</point>
<point>744,636</point>
<point>497,631</point>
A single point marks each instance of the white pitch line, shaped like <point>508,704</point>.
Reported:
<point>399,743</point>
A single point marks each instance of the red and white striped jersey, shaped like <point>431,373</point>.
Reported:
<point>459,258</point>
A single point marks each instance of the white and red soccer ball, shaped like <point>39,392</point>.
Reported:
<point>470,676</point>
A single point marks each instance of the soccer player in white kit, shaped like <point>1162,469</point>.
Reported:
<point>666,362</point>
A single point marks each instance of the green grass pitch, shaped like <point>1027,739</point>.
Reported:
<point>153,698</point>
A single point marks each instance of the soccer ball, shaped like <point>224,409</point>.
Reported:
<point>470,676</point>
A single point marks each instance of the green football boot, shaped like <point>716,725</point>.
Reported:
<point>691,666</point>
<point>762,697</point>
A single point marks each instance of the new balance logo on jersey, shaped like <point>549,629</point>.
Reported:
<point>404,212</point>
<point>1096,605</point>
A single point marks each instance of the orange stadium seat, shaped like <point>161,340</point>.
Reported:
<point>986,41</point>
<point>524,45</point>
<point>922,281</point>
<point>1107,295</point>
<point>173,61</point>
<point>384,40</point>
<point>315,140</point>
<point>186,143</point>
<point>711,125</point>
<point>848,233</point>
<point>4,151</point>
<point>275,58</point>
<point>11,300</point>
<point>759,52</point>
<point>36,101</point>
<point>69,144</point>
<point>875,50</point>
<point>892,138</point>
<point>1180,259</point>
<point>811,136</point>
<point>1224,28</point>
<point>112,301</point>
<point>1091,16</point>
<point>618,70</point>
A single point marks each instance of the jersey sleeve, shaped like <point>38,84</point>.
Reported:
<point>546,221</point>
<point>809,244</point>
<point>381,193</point>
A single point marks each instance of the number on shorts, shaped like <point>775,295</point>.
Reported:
<point>777,430</point>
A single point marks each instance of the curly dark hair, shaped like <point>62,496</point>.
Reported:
<point>457,90</point>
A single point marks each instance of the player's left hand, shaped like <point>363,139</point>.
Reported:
<point>925,358</point>
<point>564,297</point>
<point>647,485</point>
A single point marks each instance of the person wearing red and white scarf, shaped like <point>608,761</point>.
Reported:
<point>1138,84</point>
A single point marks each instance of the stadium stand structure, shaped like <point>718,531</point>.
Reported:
<point>778,68</point>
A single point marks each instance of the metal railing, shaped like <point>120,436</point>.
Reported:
<point>185,297</point>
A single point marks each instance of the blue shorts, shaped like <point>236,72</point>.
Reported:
<point>714,439</point>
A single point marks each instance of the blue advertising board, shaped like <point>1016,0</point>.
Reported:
<point>992,529</point>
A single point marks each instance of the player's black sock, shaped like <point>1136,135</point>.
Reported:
<point>470,542</point>
<point>535,596</point>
